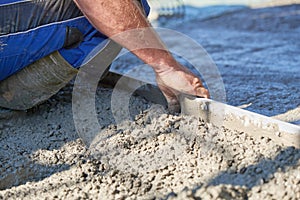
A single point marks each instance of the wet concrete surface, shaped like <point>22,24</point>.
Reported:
<point>155,156</point>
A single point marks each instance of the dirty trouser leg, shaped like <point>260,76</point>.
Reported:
<point>36,82</point>
<point>30,31</point>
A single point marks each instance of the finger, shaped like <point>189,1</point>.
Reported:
<point>202,92</point>
<point>172,99</point>
<point>197,82</point>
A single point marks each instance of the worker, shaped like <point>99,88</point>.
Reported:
<point>31,31</point>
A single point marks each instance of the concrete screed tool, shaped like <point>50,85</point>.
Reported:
<point>220,114</point>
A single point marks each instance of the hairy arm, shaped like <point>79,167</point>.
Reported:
<point>124,22</point>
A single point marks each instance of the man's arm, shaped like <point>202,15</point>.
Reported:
<point>124,22</point>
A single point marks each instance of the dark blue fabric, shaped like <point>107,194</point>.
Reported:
<point>9,1</point>
<point>25,15</point>
<point>19,49</point>
<point>146,6</point>
<point>92,38</point>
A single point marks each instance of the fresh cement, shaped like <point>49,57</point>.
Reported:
<point>157,155</point>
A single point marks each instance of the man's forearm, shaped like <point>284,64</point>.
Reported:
<point>124,22</point>
<point>116,18</point>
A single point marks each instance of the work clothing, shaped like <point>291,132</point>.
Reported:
<point>32,29</point>
<point>42,44</point>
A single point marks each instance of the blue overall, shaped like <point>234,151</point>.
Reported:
<point>32,29</point>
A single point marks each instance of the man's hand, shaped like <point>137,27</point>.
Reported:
<point>124,22</point>
<point>176,80</point>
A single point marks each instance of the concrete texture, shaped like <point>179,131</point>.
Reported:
<point>156,156</point>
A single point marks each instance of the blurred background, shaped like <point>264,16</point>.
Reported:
<point>177,8</point>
